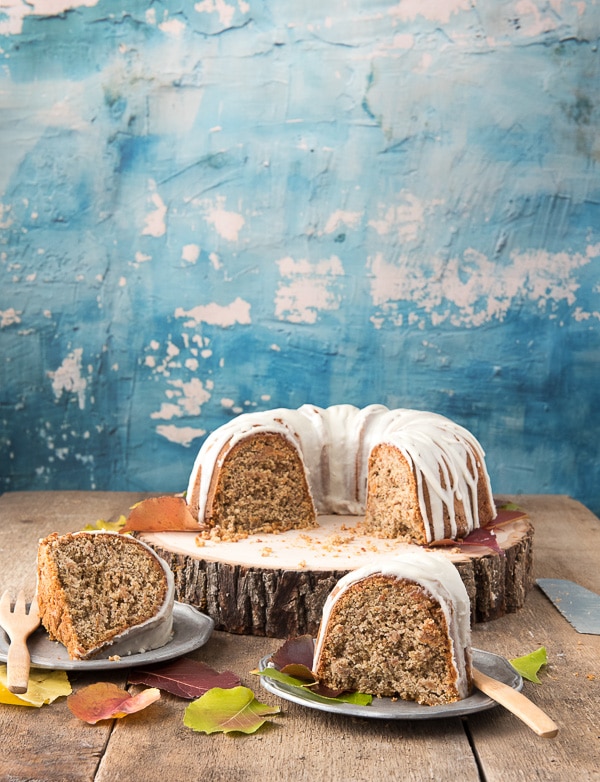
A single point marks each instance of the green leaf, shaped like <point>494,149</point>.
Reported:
<point>529,665</point>
<point>358,698</point>
<point>227,711</point>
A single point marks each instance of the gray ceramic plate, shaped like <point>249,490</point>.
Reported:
<point>387,709</point>
<point>191,629</point>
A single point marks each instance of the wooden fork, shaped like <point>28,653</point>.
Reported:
<point>18,624</point>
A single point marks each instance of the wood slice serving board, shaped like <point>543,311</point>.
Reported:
<point>276,584</point>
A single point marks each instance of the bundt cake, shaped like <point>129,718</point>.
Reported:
<point>102,591</point>
<point>416,476</point>
<point>400,628</point>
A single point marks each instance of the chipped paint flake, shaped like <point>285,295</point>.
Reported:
<point>405,220</point>
<point>341,218</point>
<point>190,253</point>
<point>9,317</point>
<point>14,11</point>
<point>309,289</point>
<point>182,435</point>
<point>238,312</point>
<point>226,223</point>
<point>68,378</point>
<point>155,221</point>
<point>473,290</point>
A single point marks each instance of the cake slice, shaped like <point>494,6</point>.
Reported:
<point>399,628</point>
<point>100,591</point>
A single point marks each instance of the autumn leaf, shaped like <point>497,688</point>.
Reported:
<point>314,691</point>
<point>529,665</point>
<point>161,514</point>
<point>227,711</point>
<point>185,678</point>
<point>104,701</point>
<point>111,526</point>
<point>292,665</point>
<point>44,687</point>
<point>295,651</point>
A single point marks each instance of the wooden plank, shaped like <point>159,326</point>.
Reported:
<point>566,545</point>
<point>50,744</point>
<point>300,744</point>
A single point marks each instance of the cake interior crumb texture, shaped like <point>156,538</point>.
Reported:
<point>392,509</point>
<point>261,487</point>
<point>389,637</point>
<point>93,587</point>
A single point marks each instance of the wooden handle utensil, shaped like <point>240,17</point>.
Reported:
<point>516,703</point>
<point>18,624</point>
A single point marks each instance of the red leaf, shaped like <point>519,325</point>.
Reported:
<point>295,658</point>
<point>296,651</point>
<point>484,536</point>
<point>185,678</point>
<point>104,701</point>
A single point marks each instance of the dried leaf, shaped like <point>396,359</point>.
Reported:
<point>314,690</point>
<point>161,514</point>
<point>293,661</point>
<point>482,536</point>
<point>227,711</point>
<point>104,701</point>
<point>295,651</point>
<point>509,512</point>
<point>529,665</point>
<point>111,526</point>
<point>185,678</point>
<point>44,687</point>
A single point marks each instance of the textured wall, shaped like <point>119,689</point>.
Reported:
<point>230,205</point>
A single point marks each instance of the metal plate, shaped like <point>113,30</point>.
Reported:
<point>387,709</point>
<point>191,629</point>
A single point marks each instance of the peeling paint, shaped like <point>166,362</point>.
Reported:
<point>68,377</point>
<point>238,312</point>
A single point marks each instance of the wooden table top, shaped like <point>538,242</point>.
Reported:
<point>303,744</point>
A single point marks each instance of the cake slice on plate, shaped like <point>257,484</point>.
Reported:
<point>398,628</point>
<point>104,592</point>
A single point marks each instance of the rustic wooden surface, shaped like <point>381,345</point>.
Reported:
<point>50,744</point>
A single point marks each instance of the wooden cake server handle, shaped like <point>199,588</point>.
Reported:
<point>516,703</point>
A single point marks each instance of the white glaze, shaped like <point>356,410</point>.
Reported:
<point>334,445</point>
<point>438,576</point>
<point>151,634</point>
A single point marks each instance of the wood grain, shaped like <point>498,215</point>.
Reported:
<point>50,744</point>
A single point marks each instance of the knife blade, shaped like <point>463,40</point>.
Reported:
<point>579,606</point>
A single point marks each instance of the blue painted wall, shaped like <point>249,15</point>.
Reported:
<point>231,205</point>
